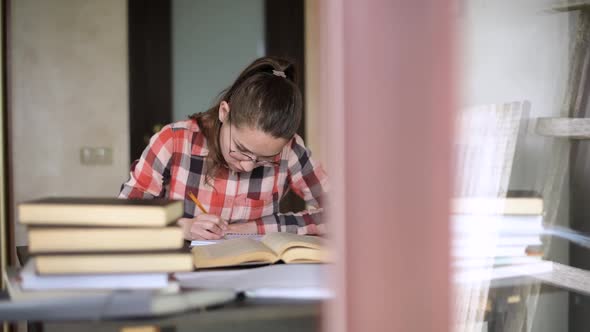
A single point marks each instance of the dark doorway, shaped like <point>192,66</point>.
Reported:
<point>285,37</point>
<point>150,70</point>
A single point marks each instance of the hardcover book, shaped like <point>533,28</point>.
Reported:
<point>112,212</point>
<point>99,263</point>
<point>103,239</point>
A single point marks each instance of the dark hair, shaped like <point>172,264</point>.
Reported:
<point>259,98</point>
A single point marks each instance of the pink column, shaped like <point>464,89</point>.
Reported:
<point>387,98</point>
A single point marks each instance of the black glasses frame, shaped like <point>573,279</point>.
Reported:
<point>246,157</point>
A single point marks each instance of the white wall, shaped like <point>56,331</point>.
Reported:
<point>68,90</point>
<point>514,50</point>
<point>213,40</point>
<point>517,50</point>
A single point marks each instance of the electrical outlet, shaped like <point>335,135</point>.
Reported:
<point>96,155</point>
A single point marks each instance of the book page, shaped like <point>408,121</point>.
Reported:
<point>228,236</point>
<point>232,252</point>
<point>304,255</point>
<point>279,242</point>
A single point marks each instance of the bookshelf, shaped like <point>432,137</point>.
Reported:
<point>568,133</point>
<point>568,128</point>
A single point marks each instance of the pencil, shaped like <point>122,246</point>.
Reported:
<point>194,199</point>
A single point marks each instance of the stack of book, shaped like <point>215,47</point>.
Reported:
<point>497,238</point>
<point>104,243</point>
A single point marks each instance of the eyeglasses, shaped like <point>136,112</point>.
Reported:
<point>241,156</point>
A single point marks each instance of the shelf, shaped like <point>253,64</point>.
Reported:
<point>571,6</point>
<point>572,128</point>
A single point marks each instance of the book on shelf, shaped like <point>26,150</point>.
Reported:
<point>516,205</point>
<point>489,251</point>
<point>103,239</point>
<point>498,232</point>
<point>113,212</point>
<point>501,225</point>
<point>274,247</point>
<point>101,263</point>
<point>481,262</point>
<point>498,240</point>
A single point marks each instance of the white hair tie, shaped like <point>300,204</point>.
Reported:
<point>279,73</point>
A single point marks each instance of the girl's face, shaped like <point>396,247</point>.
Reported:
<point>245,148</point>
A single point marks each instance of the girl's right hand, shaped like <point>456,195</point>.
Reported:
<point>203,227</point>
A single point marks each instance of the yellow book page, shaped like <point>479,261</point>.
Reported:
<point>304,255</point>
<point>279,242</point>
<point>232,252</point>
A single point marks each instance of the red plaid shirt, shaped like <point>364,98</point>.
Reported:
<point>173,164</point>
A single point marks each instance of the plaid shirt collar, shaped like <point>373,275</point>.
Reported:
<point>200,148</point>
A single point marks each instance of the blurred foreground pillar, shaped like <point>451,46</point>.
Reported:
<point>387,99</point>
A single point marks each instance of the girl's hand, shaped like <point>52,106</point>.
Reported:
<point>243,228</point>
<point>203,227</point>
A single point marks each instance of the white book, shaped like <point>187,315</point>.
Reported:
<point>467,263</point>
<point>526,206</point>
<point>32,281</point>
<point>497,224</point>
<point>488,251</point>
<point>464,240</point>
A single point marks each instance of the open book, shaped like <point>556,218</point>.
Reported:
<point>286,247</point>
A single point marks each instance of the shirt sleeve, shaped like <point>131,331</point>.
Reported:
<point>151,172</point>
<point>308,180</point>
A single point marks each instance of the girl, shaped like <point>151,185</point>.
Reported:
<point>238,159</point>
